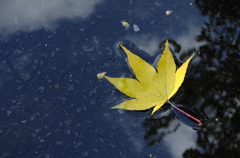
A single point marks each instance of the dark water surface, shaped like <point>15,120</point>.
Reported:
<point>52,105</point>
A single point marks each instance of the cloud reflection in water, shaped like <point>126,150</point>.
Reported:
<point>27,15</point>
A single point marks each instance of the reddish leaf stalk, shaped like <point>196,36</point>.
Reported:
<point>188,115</point>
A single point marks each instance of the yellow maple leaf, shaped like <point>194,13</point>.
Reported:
<point>153,86</point>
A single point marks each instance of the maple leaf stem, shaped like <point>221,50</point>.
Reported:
<point>188,115</point>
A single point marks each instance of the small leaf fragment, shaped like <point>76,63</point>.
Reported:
<point>125,24</point>
<point>168,12</point>
<point>101,75</point>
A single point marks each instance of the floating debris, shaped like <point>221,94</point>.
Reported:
<point>41,89</point>
<point>78,145</point>
<point>71,87</point>
<point>158,4</point>
<point>101,75</point>
<point>136,28</point>
<point>9,112</point>
<point>169,12</point>
<point>125,24</point>
<point>152,22</point>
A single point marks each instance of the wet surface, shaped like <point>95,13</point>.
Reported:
<point>53,105</point>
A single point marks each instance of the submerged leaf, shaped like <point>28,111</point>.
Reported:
<point>153,87</point>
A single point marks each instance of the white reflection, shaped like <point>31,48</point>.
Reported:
<point>178,142</point>
<point>188,40</point>
<point>145,42</point>
<point>28,15</point>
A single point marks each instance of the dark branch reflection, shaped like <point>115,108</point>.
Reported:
<point>167,121</point>
<point>212,85</point>
<point>215,81</point>
<point>157,128</point>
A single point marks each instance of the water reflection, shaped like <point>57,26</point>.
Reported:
<point>211,85</point>
<point>167,129</point>
<point>167,121</point>
<point>27,15</point>
<point>158,128</point>
<point>216,79</point>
